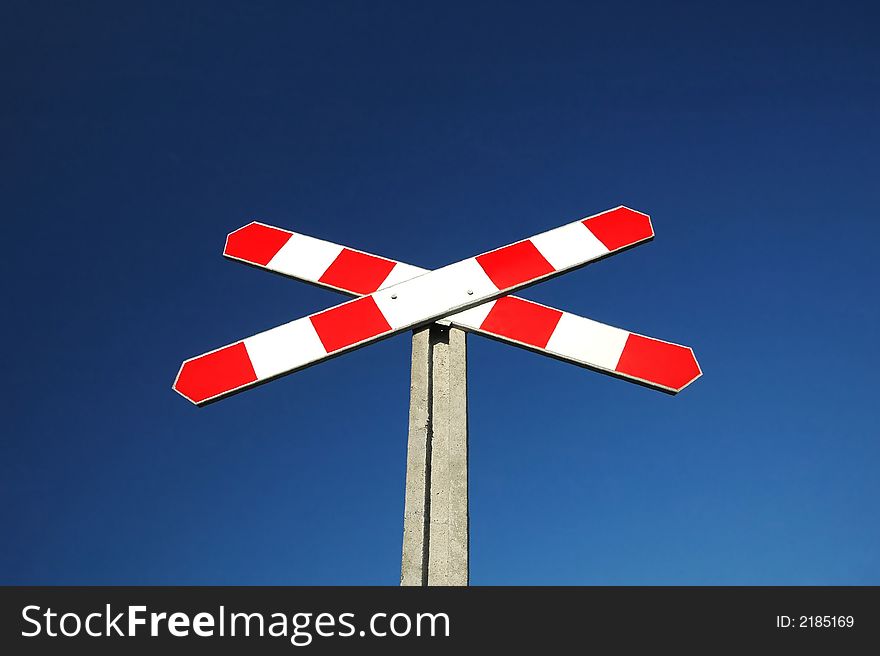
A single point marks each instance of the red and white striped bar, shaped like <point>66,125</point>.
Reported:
<point>645,360</point>
<point>427,297</point>
<point>355,272</point>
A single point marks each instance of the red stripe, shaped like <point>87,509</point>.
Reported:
<point>357,272</point>
<point>521,320</point>
<point>514,264</point>
<point>256,243</point>
<point>621,227</point>
<point>669,365</point>
<point>349,323</point>
<point>215,373</point>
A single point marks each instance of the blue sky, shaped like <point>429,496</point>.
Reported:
<point>135,137</point>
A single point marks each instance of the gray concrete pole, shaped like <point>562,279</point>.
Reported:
<point>435,522</point>
<point>416,512</point>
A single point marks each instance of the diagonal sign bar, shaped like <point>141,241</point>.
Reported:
<point>562,335</point>
<point>413,302</point>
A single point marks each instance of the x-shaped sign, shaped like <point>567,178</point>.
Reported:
<point>470,294</point>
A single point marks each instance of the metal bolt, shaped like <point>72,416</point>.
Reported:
<point>470,292</point>
<point>393,296</point>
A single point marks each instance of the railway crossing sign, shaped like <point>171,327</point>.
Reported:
<point>472,295</point>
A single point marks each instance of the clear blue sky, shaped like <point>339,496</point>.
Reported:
<point>135,136</point>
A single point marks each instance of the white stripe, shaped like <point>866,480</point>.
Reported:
<point>450,287</point>
<point>587,341</point>
<point>401,273</point>
<point>304,257</point>
<point>278,350</point>
<point>568,245</point>
<point>472,318</point>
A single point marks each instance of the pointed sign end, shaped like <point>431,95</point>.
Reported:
<point>255,243</point>
<point>660,364</point>
<point>207,377</point>
<point>620,227</point>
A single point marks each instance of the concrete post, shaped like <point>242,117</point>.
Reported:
<point>416,512</point>
<point>435,523</point>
